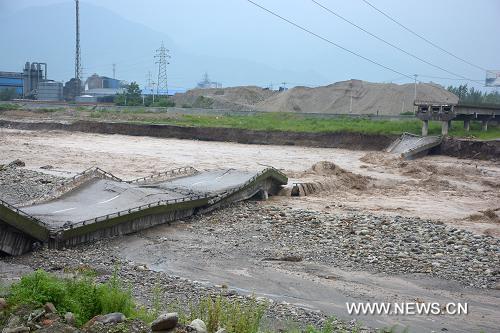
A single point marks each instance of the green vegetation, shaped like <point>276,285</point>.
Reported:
<point>235,317</point>
<point>131,96</point>
<point>81,296</point>
<point>203,102</point>
<point>294,123</point>
<point>474,96</point>
<point>85,298</point>
<point>6,107</point>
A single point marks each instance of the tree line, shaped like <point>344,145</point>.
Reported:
<point>471,95</point>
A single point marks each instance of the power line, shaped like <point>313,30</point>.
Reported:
<point>425,39</point>
<point>329,41</point>
<point>389,43</point>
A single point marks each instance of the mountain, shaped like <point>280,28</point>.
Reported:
<point>47,34</point>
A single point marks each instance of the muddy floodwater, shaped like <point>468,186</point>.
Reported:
<point>454,193</point>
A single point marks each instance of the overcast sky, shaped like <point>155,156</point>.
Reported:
<point>238,30</point>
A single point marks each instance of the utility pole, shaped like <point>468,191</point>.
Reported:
<point>415,97</point>
<point>148,79</point>
<point>162,54</point>
<point>114,71</point>
<point>78,59</point>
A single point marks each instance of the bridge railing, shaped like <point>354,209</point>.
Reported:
<point>227,193</point>
<point>70,226</point>
<point>23,214</point>
<point>172,172</point>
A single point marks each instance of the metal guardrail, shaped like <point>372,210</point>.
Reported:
<point>95,170</point>
<point>172,172</point>
<point>227,193</point>
<point>23,213</point>
<point>132,210</point>
<point>212,200</point>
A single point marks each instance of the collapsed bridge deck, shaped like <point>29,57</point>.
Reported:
<point>96,204</point>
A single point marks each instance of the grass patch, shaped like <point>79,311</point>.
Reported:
<point>80,295</point>
<point>234,316</point>
<point>8,106</point>
<point>85,298</point>
<point>294,123</point>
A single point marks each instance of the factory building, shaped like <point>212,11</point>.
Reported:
<point>32,83</point>
<point>12,81</point>
<point>101,82</point>
<point>50,91</point>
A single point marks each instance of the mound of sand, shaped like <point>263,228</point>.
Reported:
<point>367,98</point>
<point>326,175</point>
<point>234,98</point>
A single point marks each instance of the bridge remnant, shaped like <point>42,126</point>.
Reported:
<point>447,112</point>
<point>96,204</point>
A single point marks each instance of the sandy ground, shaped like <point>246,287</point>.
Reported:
<point>461,192</point>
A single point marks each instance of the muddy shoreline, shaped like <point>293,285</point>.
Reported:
<point>355,141</point>
<point>462,148</point>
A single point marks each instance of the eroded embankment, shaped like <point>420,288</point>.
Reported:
<point>463,148</point>
<point>357,141</point>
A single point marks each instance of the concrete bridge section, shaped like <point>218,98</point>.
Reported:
<point>411,146</point>
<point>447,112</point>
<point>95,204</point>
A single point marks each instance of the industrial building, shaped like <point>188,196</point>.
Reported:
<point>12,80</point>
<point>32,83</point>
<point>206,83</point>
<point>101,82</point>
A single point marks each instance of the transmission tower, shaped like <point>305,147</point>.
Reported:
<point>161,57</point>
<point>114,71</point>
<point>78,59</point>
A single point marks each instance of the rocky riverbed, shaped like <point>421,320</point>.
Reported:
<point>352,239</point>
<point>274,235</point>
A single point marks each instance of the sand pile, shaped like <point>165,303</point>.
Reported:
<point>235,98</point>
<point>367,98</point>
<point>325,176</point>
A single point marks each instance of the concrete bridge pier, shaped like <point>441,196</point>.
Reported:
<point>445,124</point>
<point>467,125</point>
<point>484,125</point>
<point>425,127</point>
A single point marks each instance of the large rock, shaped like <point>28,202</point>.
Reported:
<point>112,318</point>
<point>19,329</point>
<point>3,304</point>
<point>165,322</point>
<point>50,308</point>
<point>70,318</point>
<point>16,163</point>
<point>198,326</point>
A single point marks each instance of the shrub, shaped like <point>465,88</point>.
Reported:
<point>79,295</point>
<point>234,316</point>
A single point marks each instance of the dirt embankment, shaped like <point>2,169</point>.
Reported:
<point>356,141</point>
<point>463,148</point>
